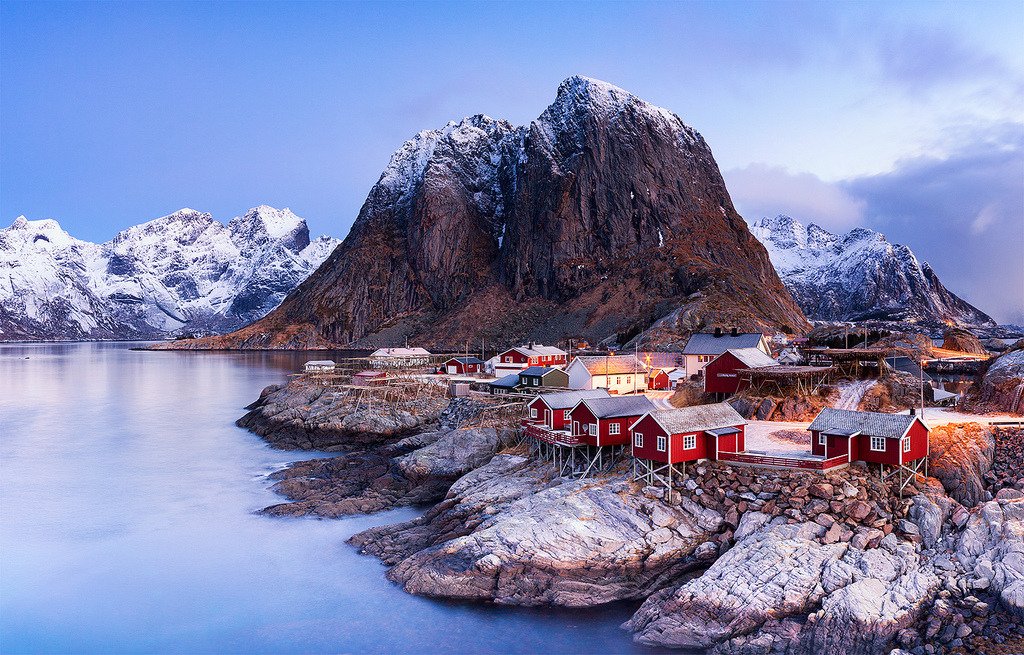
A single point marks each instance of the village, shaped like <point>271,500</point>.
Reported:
<point>723,397</point>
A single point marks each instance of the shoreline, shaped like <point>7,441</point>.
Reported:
<point>503,529</point>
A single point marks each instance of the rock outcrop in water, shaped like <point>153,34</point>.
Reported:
<point>602,216</point>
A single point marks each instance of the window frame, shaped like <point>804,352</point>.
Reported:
<point>691,439</point>
<point>662,444</point>
<point>822,439</point>
<point>533,412</point>
<point>614,428</point>
<point>906,443</point>
<point>594,429</point>
<point>566,414</point>
<point>874,440</point>
<point>638,439</point>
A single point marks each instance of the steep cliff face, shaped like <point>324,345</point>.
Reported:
<point>860,276</point>
<point>602,216</point>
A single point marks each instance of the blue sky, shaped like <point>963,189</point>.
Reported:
<point>904,117</point>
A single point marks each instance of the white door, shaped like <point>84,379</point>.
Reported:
<point>451,370</point>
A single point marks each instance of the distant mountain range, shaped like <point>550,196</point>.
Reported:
<point>860,276</point>
<point>182,274</point>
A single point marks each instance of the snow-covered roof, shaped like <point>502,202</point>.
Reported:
<point>539,371</point>
<point>466,360</point>
<point>698,418</point>
<point>510,380</point>
<point>611,364</point>
<point>873,424</point>
<point>752,357</point>
<point>321,362</point>
<point>538,350</point>
<point>706,343</point>
<point>569,399</point>
<point>619,406</point>
<point>400,352</point>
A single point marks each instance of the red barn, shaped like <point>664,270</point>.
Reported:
<point>535,354</point>
<point>463,365</point>
<point>896,440</point>
<point>605,421</point>
<point>668,437</point>
<point>722,374</point>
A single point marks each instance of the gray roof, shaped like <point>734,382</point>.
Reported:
<point>752,357</point>
<point>511,380</point>
<point>873,424</point>
<point>540,371</point>
<point>619,406</point>
<point>698,418</point>
<point>906,365</point>
<point>568,399</point>
<point>468,360</point>
<point>611,364</point>
<point>321,362</point>
<point>705,343</point>
<point>538,350</point>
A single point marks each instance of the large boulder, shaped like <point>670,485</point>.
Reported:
<point>963,341</point>
<point>1002,386</point>
<point>578,543</point>
<point>960,456</point>
<point>781,590</point>
<point>991,549</point>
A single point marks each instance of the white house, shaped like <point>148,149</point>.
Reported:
<point>616,373</point>
<point>705,346</point>
<point>319,365</point>
<point>399,357</point>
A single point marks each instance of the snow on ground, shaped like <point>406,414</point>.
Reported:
<point>851,393</point>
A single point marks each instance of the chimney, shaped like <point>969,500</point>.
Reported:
<point>718,332</point>
<point>911,411</point>
<point>533,344</point>
<point>735,332</point>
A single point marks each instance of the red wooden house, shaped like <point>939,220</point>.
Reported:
<point>664,438</point>
<point>551,410</point>
<point>463,365</point>
<point>658,378</point>
<point>899,441</point>
<point>535,354</point>
<point>605,421</point>
<point>722,375</point>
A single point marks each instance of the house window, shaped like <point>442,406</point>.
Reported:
<point>638,440</point>
<point>618,380</point>
<point>593,428</point>
<point>662,443</point>
<point>703,359</point>
<point>821,438</point>
<point>878,444</point>
<point>508,359</point>
<point>565,415</point>
<point>689,442</point>
<point>533,412</point>
<point>536,381</point>
<point>613,428</point>
<point>906,444</point>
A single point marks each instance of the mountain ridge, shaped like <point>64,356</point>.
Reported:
<point>860,276</point>
<point>177,274</point>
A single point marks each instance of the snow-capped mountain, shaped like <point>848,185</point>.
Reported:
<point>859,276</point>
<point>599,217</point>
<point>184,273</point>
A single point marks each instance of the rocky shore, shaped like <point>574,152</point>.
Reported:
<point>735,560</point>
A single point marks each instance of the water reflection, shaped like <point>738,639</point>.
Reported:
<point>126,525</point>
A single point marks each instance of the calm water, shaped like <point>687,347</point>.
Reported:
<point>126,525</point>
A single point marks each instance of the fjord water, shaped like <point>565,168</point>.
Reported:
<point>126,525</point>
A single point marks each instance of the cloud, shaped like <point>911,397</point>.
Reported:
<point>763,190</point>
<point>962,212</point>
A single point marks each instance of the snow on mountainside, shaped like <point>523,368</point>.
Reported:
<point>182,273</point>
<point>859,276</point>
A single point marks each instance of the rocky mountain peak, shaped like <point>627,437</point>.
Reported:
<point>603,215</point>
<point>264,223</point>
<point>859,276</point>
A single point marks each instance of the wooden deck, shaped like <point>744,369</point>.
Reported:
<point>542,433</point>
<point>806,463</point>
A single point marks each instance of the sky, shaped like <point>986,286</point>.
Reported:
<point>907,117</point>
